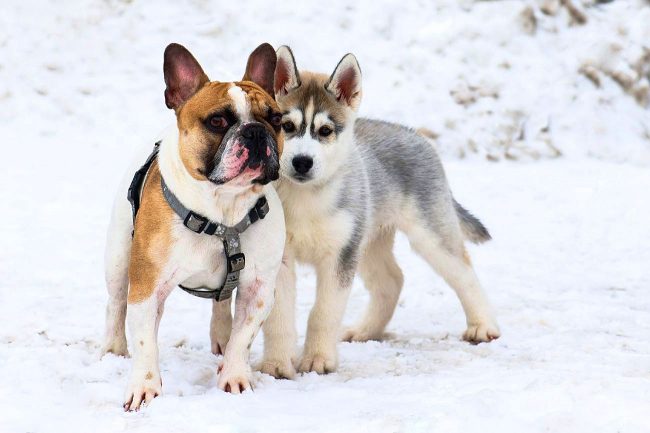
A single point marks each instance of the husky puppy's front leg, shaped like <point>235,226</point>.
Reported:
<point>280,328</point>
<point>252,306</point>
<point>334,280</point>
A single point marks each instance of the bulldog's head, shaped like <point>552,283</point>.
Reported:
<point>229,133</point>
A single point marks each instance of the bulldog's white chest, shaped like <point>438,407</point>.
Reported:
<point>199,259</point>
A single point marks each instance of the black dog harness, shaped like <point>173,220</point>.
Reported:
<point>235,259</point>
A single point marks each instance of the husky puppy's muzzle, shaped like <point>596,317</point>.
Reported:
<point>250,155</point>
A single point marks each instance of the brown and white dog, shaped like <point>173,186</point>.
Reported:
<point>218,162</point>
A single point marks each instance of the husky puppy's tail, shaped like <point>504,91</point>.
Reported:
<point>472,228</point>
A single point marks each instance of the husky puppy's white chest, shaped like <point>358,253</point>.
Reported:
<point>312,218</point>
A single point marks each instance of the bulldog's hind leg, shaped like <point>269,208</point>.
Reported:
<point>118,250</point>
<point>384,280</point>
<point>447,255</point>
<point>220,326</point>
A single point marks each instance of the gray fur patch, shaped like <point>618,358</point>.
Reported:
<point>349,257</point>
<point>353,197</point>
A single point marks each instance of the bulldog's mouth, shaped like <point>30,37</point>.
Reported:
<point>247,172</point>
<point>246,175</point>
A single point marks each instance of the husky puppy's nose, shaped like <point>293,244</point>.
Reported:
<point>302,163</point>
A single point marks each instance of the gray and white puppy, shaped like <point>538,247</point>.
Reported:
<point>346,186</point>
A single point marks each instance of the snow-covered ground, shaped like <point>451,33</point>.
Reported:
<point>81,86</point>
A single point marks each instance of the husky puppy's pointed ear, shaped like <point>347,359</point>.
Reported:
<point>345,82</point>
<point>287,77</point>
<point>261,66</point>
<point>183,75</point>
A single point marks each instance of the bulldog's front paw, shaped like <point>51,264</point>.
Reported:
<point>280,368</point>
<point>142,389</point>
<point>483,332</point>
<point>320,362</point>
<point>234,380</point>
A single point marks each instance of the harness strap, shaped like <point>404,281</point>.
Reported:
<point>134,193</point>
<point>200,224</point>
<point>235,259</point>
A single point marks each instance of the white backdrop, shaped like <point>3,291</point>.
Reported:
<point>81,86</point>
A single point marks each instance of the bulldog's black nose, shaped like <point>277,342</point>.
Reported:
<point>302,163</point>
<point>254,131</point>
<point>256,140</point>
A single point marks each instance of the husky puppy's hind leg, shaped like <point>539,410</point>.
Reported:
<point>383,278</point>
<point>445,252</point>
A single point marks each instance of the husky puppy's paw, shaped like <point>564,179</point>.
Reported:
<point>116,346</point>
<point>142,389</point>
<point>482,332</point>
<point>278,368</point>
<point>235,379</point>
<point>360,335</point>
<point>319,362</point>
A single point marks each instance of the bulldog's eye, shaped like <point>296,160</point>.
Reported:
<point>324,131</point>
<point>288,126</point>
<point>217,123</point>
<point>276,119</point>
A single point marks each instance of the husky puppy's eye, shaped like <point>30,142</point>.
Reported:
<point>324,131</point>
<point>276,119</point>
<point>288,126</point>
<point>217,123</point>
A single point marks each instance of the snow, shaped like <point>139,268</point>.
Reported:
<point>81,87</point>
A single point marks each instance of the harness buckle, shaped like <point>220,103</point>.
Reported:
<point>259,211</point>
<point>195,222</point>
<point>262,207</point>
<point>236,262</point>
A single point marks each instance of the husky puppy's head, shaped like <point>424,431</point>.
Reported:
<point>318,115</point>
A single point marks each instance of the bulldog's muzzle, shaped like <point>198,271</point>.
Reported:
<point>248,149</point>
<point>262,151</point>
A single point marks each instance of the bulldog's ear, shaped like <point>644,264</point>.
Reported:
<point>287,77</point>
<point>260,67</point>
<point>183,75</point>
<point>345,82</point>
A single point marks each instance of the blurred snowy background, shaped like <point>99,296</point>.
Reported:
<point>556,91</point>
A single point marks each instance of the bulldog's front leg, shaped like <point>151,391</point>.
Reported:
<point>333,288</point>
<point>252,306</point>
<point>144,316</point>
